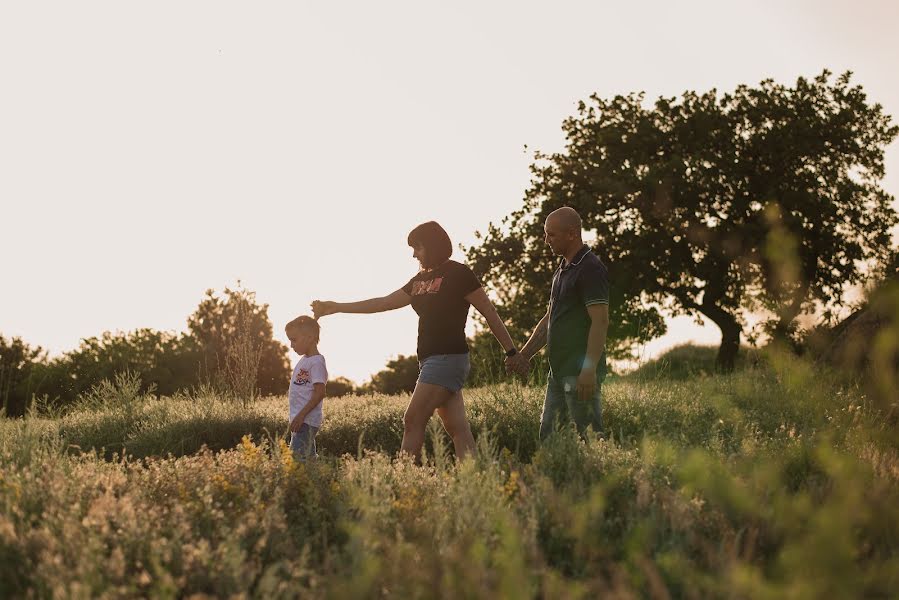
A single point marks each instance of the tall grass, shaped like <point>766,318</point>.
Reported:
<point>721,413</point>
<point>774,482</point>
<point>243,352</point>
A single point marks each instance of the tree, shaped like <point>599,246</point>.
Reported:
<point>767,198</point>
<point>165,362</point>
<point>340,386</point>
<point>230,341</point>
<point>17,374</point>
<point>398,377</point>
<point>233,327</point>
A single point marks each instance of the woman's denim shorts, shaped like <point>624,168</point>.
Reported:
<point>447,370</point>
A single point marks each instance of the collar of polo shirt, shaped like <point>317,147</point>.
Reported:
<point>577,258</point>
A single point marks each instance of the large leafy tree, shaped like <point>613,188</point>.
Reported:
<point>765,198</point>
<point>235,320</point>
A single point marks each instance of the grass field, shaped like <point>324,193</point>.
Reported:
<point>777,481</point>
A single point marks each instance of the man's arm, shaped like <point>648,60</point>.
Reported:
<point>318,394</point>
<point>538,338</point>
<point>520,363</point>
<point>596,343</point>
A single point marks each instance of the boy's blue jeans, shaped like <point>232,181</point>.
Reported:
<point>562,406</point>
<point>302,442</point>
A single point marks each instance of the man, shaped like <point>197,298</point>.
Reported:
<point>574,329</point>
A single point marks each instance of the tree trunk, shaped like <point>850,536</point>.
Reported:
<point>783,330</point>
<point>730,336</point>
<point>729,348</point>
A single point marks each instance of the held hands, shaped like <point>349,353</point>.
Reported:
<point>323,308</point>
<point>518,364</point>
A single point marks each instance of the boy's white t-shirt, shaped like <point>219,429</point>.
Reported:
<point>309,371</point>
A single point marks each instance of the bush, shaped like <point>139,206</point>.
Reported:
<point>19,377</point>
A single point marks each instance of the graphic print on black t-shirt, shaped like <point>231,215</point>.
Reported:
<point>438,296</point>
<point>431,286</point>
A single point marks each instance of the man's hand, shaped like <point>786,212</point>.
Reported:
<point>586,384</point>
<point>323,308</point>
<point>297,422</point>
<point>518,364</point>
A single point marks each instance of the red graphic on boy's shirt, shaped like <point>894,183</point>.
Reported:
<point>303,377</point>
<point>432,286</point>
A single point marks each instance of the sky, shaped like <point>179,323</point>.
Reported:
<point>150,151</point>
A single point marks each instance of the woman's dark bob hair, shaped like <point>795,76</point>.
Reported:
<point>437,244</point>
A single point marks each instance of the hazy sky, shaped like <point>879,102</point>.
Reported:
<point>152,150</point>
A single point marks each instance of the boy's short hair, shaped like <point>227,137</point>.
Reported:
<point>303,324</point>
<point>436,242</point>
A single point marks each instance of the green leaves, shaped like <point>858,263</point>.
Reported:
<point>223,331</point>
<point>677,191</point>
<point>219,321</point>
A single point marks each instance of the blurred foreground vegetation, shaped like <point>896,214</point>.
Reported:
<point>779,480</point>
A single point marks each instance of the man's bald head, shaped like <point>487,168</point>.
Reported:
<point>563,232</point>
<point>566,218</point>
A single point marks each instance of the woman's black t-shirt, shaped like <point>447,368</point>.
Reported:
<point>438,296</point>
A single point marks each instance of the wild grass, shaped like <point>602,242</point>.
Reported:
<point>775,482</point>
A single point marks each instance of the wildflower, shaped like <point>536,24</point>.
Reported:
<point>250,451</point>
<point>511,488</point>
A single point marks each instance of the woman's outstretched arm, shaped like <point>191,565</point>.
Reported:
<point>398,299</point>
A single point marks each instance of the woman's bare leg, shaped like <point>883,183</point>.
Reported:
<point>425,399</point>
<point>452,413</point>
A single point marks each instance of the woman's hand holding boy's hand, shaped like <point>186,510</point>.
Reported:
<point>323,308</point>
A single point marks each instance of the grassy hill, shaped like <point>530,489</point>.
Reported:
<point>775,481</point>
<point>688,361</point>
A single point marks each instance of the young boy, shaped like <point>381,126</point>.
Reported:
<point>307,386</point>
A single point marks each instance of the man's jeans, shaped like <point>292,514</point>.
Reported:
<point>562,406</point>
<point>302,442</point>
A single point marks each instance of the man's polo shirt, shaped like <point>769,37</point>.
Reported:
<point>577,285</point>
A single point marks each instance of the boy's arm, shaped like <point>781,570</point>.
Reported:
<point>318,394</point>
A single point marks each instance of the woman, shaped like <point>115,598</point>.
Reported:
<point>440,293</point>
